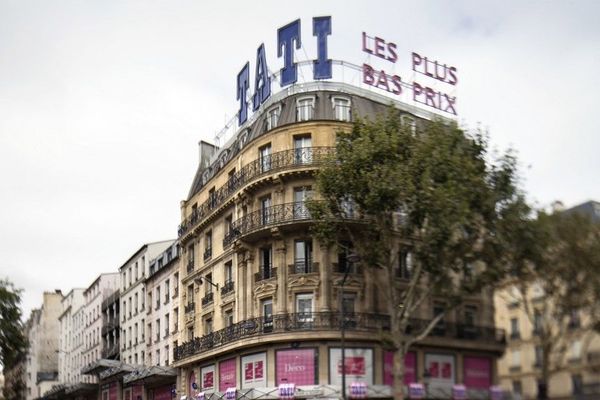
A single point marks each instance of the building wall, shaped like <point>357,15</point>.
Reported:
<point>519,367</point>
<point>163,283</point>
<point>132,276</point>
<point>67,355</point>
<point>43,334</point>
<point>233,321</point>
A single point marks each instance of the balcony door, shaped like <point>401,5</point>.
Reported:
<point>265,262</point>
<point>267,314</point>
<point>301,195</point>
<point>303,257</point>
<point>302,149</point>
<point>265,158</point>
<point>304,307</point>
<point>265,210</point>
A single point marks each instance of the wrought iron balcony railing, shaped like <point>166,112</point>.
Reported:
<point>281,323</point>
<point>207,253</point>
<point>287,159</point>
<point>189,307</point>
<point>227,287</point>
<point>265,273</point>
<point>208,299</point>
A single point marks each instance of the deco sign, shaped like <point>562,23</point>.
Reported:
<point>288,38</point>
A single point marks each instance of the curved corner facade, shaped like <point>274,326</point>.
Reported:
<point>260,298</point>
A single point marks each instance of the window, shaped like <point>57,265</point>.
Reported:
<point>264,153</point>
<point>136,271</point>
<point>157,357</point>
<point>576,349</point>
<point>537,323</point>
<point>265,210</point>
<point>348,303</point>
<point>515,359</point>
<point>410,122</point>
<point>539,356</point>
<point>212,198</point>
<point>228,269</point>
<point>208,326</point>
<point>228,318</point>
<point>158,297</point>
<point>169,254</point>
<point>265,262</point>
<point>344,250</point>
<point>142,298</point>
<point>302,149</point>
<point>438,309</point>
<point>303,256</point>
<point>157,330</point>
<point>227,224</point>
<point>167,355</point>
<point>208,287</point>
<point>341,108</point>
<point>208,245</point>
<point>267,314</point>
<point>272,118</point>
<point>517,387</point>
<point>190,333</point>
<point>301,195</point>
<point>514,328</point>
<point>574,320</point>
<point>142,325</point>
<point>305,108</point>
<point>405,264</point>
<point>577,383</point>
<point>167,297</point>
<point>470,313</point>
<point>304,307</point>
<point>231,180</point>
<point>190,256</point>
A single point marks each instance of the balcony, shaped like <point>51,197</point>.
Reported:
<point>459,331</point>
<point>190,266</point>
<point>207,254</point>
<point>303,266</point>
<point>282,160</point>
<point>189,307</point>
<point>265,273</point>
<point>207,299</point>
<point>227,288</point>
<point>281,323</point>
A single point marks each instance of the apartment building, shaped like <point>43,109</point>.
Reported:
<point>261,296</point>
<point>43,331</point>
<point>162,288</point>
<point>68,349</point>
<point>134,308</point>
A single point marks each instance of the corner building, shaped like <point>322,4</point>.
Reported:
<point>261,298</point>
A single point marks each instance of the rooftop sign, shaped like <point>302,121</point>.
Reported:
<point>289,39</point>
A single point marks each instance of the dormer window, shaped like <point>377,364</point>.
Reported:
<point>341,108</point>
<point>305,107</point>
<point>272,120</point>
<point>410,122</point>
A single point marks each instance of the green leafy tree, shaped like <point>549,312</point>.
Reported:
<point>13,343</point>
<point>558,288</point>
<point>432,194</point>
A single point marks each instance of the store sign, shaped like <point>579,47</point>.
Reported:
<point>207,375</point>
<point>254,372</point>
<point>227,375</point>
<point>441,369</point>
<point>477,372</point>
<point>358,365</point>
<point>289,39</point>
<point>296,366</point>
<point>410,368</point>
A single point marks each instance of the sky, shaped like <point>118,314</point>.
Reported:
<point>103,103</point>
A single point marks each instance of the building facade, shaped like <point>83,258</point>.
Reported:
<point>43,330</point>
<point>261,296</point>
<point>102,288</point>
<point>162,288</point>
<point>111,328</point>
<point>576,365</point>
<point>68,363</point>
<point>134,307</point>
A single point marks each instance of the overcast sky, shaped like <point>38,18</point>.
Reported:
<point>102,104</point>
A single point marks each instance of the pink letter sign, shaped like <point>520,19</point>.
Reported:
<point>477,372</point>
<point>227,375</point>
<point>295,366</point>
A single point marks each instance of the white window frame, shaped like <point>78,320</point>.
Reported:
<point>270,122</point>
<point>342,113</point>
<point>303,112</point>
<point>410,121</point>
<point>305,296</point>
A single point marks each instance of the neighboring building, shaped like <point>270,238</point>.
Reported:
<point>578,364</point>
<point>79,344</point>
<point>101,289</point>
<point>43,330</point>
<point>133,308</point>
<point>68,348</point>
<point>162,288</point>
<point>111,328</point>
<point>275,315</point>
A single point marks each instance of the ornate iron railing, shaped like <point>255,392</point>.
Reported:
<point>301,157</point>
<point>265,273</point>
<point>189,307</point>
<point>208,299</point>
<point>227,287</point>
<point>282,323</point>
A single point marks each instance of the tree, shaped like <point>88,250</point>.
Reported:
<point>13,343</point>
<point>558,289</point>
<point>432,196</point>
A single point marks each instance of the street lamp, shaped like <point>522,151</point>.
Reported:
<point>351,259</point>
<point>199,280</point>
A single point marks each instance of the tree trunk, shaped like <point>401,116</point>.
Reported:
<point>398,373</point>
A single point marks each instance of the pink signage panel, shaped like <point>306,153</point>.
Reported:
<point>227,374</point>
<point>477,372</point>
<point>137,392</point>
<point>296,366</point>
<point>410,368</point>
<point>163,393</point>
<point>112,391</point>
